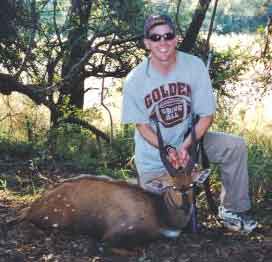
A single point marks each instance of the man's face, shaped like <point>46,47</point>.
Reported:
<point>162,44</point>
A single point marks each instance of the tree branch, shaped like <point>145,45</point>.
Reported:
<point>104,59</point>
<point>9,84</point>
<point>117,42</point>
<point>31,40</point>
<point>177,17</point>
<point>267,36</point>
<point>55,24</point>
<point>207,45</point>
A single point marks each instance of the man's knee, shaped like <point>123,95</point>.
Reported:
<point>220,146</point>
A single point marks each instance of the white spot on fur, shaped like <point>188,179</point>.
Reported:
<point>130,227</point>
<point>59,196</point>
<point>45,218</point>
<point>67,205</point>
<point>73,210</point>
<point>55,225</point>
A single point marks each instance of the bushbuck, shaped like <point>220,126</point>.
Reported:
<point>113,211</point>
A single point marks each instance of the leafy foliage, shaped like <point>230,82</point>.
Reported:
<point>78,148</point>
<point>260,164</point>
<point>11,148</point>
<point>62,43</point>
<point>74,144</point>
<point>227,66</point>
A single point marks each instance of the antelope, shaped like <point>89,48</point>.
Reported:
<point>116,212</point>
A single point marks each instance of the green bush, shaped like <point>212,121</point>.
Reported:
<point>69,142</point>
<point>78,148</point>
<point>13,148</point>
<point>260,165</point>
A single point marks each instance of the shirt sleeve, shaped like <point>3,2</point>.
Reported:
<point>204,103</point>
<point>133,109</point>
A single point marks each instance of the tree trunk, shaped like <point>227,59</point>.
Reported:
<point>193,30</point>
<point>77,39</point>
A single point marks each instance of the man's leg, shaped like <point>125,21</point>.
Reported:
<point>230,153</point>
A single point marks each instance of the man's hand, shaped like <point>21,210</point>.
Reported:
<point>183,157</point>
<point>172,156</point>
<point>201,128</point>
<point>178,158</point>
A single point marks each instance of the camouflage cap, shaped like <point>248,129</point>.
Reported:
<point>155,20</point>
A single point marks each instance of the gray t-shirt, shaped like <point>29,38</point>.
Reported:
<point>173,98</point>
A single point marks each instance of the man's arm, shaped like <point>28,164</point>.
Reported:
<point>201,128</point>
<point>149,134</point>
<point>151,137</point>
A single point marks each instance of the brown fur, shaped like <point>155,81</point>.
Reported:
<point>112,211</point>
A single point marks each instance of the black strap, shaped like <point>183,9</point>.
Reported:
<point>204,158</point>
<point>193,152</point>
<point>194,149</point>
<point>206,164</point>
<point>170,169</point>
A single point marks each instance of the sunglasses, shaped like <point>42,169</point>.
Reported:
<point>166,37</point>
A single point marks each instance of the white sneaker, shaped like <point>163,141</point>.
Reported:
<point>236,221</point>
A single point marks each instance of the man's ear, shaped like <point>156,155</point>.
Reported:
<point>179,39</point>
<point>146,43</point>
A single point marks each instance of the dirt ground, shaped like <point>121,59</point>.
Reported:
<point>26,243</point>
